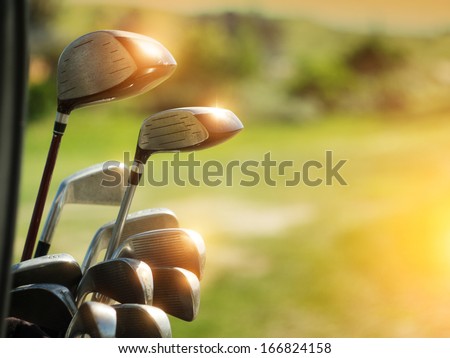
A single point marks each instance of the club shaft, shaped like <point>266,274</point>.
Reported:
<point>120,221</point>
<point>41,197</point>
<point>50,224</point>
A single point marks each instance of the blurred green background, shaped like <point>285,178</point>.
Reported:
<point>371,83</point>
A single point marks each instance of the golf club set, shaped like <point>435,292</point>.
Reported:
<point>151,267</point>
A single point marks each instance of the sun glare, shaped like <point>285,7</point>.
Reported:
<point>150,49</point>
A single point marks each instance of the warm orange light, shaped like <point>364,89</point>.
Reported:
<point>149,49</point>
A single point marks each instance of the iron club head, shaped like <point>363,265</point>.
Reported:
<point>59,269</point>
<point>141,321</point>
<point>93,320</point>
<point>100,184</point>
<point>50,306</point>
<point>123,280</point>
<point>140,221</point>
<point>172,247</point>
<point>177,292</point>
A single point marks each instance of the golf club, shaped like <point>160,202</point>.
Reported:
<point>100,184</point>
<point>130,320</point>
<point>93,320</point>
<point>98,67</point>
<point>176,292</point>
<point>50,306</point>
<point>123,280</point>
<point>59,269</point>
<point>181,129</point>
<point>141,221</point>
<point>172,247</point>
<point>141,321</point>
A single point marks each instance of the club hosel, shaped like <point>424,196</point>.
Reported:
<point>60,123</point>
<point>136,171</point>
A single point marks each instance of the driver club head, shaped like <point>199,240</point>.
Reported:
<point>185,129</point>
<point>108,65</point>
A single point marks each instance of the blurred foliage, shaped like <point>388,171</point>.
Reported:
<point>42,12</point>
<point>234,51</point>
<point>374,56</point>
<point>336,82</point>
<point>323,81</point>
<point>41,98</point>
<point>292,70</point>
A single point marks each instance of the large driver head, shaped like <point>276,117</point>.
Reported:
<point>109,64</point>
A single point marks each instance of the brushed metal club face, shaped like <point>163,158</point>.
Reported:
<point>101,184</point>
<point>177,292</point>
<point>172,247</point>
<point>185,129</point>
<point>171,131</point>
<point>123,280</point>
<point>110,64</point>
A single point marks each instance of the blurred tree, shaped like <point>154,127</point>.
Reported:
<point>42,91</point>
<point>373,56</point>
<point>216,53</point>
<point>322,81</point>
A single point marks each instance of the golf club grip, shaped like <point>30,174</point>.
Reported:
<point>41,197</point>
<point>42,249</point>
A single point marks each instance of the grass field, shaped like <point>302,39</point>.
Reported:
<point>369,259</point>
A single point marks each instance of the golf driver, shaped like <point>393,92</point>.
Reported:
<point>141,321</point>
<point>176,292</point>
<point>182,129</point>
<point>59,269</point>
<point>93,320</point>
<point>98,67</point>
<point>166,248</point>
<point>50,306</point>
<point>123,280</point>
<point>100,184</point>
<point>141,221</point>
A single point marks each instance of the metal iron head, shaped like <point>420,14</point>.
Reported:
<point>50,306</point>
<point>177,292</point>
<point>141,221</point>
<point>172,247</point>
<point>93,320</point>
<point>60,269</point>
<point>123,280</point>
<point>141,321</point>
